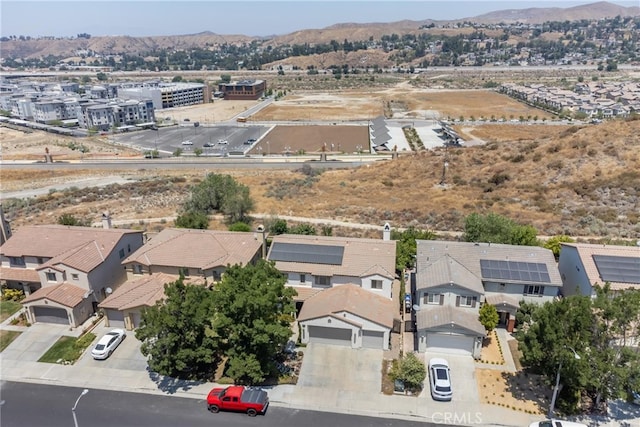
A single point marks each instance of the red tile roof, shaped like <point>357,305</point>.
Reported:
<point>83,248</point>
<point>350,298</point>
<point>203,249</point>
<point>145,291</point>
<point>65,294</point>
<point>362,257</point>
<point>19,274</point>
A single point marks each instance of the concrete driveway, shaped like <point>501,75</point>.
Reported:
<point>33,342</point>
<point>126,356</point>
<point>341,368</point>
<point>463,377</point>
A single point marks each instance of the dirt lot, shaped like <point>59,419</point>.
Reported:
<point>217,111</point>
<point>314,139</point>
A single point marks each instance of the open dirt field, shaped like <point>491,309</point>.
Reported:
<point>400,101</point>
<point>314,139</point>
<point>216,111</point>
<point>517,391</point>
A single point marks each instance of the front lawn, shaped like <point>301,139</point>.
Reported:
<point>8,308</point>
<point>7,337</point>
<point>67,349</point>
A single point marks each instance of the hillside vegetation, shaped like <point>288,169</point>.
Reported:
<point>578,180</point>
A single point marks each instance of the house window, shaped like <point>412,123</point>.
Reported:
<point>121,253</point>
<point>16,261</point>
<point>535,290</point>
<point>322,280</point>
<point>465,301</point>
<point>75,276</point>
<point>216,275</point>
<point>128,248</point>
<point>376,284</point>
<point>51,277</point>
<point>137,269</point>
<point>432,299</point>
<point>40,260</point>
<point>303,278</point>
<point>183,271</point>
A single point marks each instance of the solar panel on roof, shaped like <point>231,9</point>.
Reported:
<point>307,253</point>
<point>514,270</point>
<point>620,269</point>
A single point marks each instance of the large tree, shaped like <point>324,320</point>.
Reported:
<point>177,334</point>
<point>254,311</point>
<point>406,246</point>
<point>220,193</point>
<point>598,329</point>
<point>494,228</point>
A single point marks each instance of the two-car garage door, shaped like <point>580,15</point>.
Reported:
<point>447,343</point>
<point>324,335</point>
<point>51,315</point>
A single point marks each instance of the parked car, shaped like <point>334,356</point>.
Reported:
<point>108,343</point>
<point>250,141</point>
<point>253,401</point>
<point>207,145</point>
<point>407,303</point>
<point>439,379</point>
<point>187,143</point>
<point>223,141</point>
<point>556,423</point>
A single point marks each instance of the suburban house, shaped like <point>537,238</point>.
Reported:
<point>200,256</point>
<point>582,266</point>
<point>347,315</point>
<point>453,279</point>
<point>65,271</point>
<point>316,263</point>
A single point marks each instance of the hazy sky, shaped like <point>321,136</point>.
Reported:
<point>252,18</point>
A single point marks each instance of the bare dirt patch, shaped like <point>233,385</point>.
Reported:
<point>313,139</point>
<point>491,350</point>
<point>216,111</point>
<point>516,391</point>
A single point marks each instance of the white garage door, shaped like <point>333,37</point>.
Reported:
<point>116,318</point>
<point>324,335</point>
<point>373,339</point>
<point>447,343</point>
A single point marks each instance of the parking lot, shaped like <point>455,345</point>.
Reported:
<point>207,138</point>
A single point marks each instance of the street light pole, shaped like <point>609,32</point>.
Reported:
<point>73,410</point>
<point>556,388</point>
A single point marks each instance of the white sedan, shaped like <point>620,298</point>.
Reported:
<point>439,379</point>
<point>108,343</point>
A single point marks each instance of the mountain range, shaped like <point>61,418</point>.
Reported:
<point>67,47</point>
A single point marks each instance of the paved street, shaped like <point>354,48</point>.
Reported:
<point>36,405</point>
<point>334,380</point>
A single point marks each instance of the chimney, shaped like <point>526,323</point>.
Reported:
<point>386,232</point>
<point>259,235</point>
<point>106,220</point>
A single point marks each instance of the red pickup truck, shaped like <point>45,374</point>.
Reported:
<point>253,401</point>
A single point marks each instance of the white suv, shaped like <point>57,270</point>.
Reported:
<point>439,379</point>
<point>187,143</point>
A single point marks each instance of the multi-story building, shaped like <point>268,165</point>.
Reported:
<point>243,89</point>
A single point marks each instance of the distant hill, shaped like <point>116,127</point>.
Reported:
<point>597,10</point>
<point>106,45</point>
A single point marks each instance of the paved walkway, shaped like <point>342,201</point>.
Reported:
<point>14,367</point>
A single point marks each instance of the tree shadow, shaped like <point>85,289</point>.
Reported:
<point>621,413</point>
<point>171,385</point>
<point>523,385</point>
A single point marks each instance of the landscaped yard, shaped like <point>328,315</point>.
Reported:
<point>67,349</point>
<point>8,308</point>
<point>519,391</point>
<point>7,337</point>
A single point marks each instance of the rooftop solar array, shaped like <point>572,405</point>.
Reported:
<point>310,254</point>
<point>514,270</point>
<point>622,269</point>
